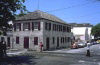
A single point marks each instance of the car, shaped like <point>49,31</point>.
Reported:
<point>74,46</point>
<point>81,45</point>
<point>94,43</point>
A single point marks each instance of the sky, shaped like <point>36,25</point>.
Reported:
<point>71,11</point>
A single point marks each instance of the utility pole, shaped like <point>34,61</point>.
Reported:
<point>38,5</point>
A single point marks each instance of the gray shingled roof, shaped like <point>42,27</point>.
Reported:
<point>39,14</point>
<point>81,25</point>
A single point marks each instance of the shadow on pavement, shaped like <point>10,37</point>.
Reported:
<point>18,60</point>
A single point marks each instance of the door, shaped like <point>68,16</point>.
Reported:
<point>8,41</point>
<point>47,43</point>
<point>26,42</point>
<point>57,42</point>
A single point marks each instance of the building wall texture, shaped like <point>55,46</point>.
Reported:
<point>42,34</point>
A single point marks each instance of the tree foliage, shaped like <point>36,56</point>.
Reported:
<point>96,30</point>
<point>8,9</point>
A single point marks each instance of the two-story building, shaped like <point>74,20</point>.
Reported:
<point>39,27</point>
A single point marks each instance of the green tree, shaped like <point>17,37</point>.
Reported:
<point>96,31</point>
<point>8,10</point>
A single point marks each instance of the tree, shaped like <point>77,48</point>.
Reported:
<point>8,10</point>
<point>96,31</point>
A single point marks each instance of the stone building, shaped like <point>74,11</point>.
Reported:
<point>39,27</point>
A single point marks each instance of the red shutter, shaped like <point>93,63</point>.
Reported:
<point>32,25</point>
<point>38,25</point>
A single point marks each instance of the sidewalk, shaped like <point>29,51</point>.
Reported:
<point>16,52</point>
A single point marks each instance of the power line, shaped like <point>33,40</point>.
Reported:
<point>87,15</point>
<point>71,7</point>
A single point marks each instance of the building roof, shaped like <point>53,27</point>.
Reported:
<point>39,14</point>
<point>81,25</point>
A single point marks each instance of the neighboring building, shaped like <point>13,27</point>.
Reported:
<point>39,27</point>
<point>82,31</point>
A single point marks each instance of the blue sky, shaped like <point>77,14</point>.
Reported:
<point>71,11</point>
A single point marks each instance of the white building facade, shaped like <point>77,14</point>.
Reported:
<point>82,31</point>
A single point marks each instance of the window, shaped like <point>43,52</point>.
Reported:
<point>17,40</point>
<point>65,39</point>
<point>61,39</point>
<point>35,40</point>
<point>35,25</point>
<point>53,27</point>
<point>17,27</point>
<point>2,38</point>
<point>53,40</point>
<point>26,26</point>
<point>69,39</point>
<point>61,28</point>
<point>57,27</point>
<point>14,26</point>
<point>47,26</point>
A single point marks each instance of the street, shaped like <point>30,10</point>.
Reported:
<point>94,49</point>
<point>57,57</point>
<point>51,59</point>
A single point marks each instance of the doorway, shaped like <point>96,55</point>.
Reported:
<point>47,43</point>
<point>57,42</point>
<point>8,41</point>
<point>26,42</point>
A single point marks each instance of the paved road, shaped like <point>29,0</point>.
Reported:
<point>94,49</point>
<point>51,59</point>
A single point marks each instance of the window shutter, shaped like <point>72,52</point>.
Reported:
<point>32,25</point>
<point>38,25</point>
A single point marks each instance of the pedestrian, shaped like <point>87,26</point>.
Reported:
<point>41,47</point>
<point>4,48</point>
<point>88,49</point>
<point>1,49</point>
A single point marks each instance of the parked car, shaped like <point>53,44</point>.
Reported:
<point>74,46</point>
<point>81,45</point>
<point>93,43</point>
